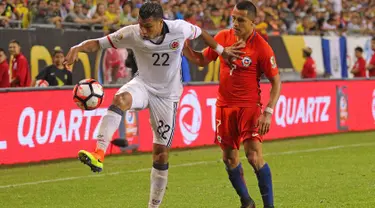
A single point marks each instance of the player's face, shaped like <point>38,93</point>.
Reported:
<point>58,59</point>
<point>14,49</point>
<point>242,24</point>
<point>150,28</point>
<point>358,54</point>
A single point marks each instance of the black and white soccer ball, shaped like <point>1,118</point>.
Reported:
<point>88,94</point>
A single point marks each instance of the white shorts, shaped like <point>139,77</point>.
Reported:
<point>162,110</point>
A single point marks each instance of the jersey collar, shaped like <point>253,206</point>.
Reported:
<point>164,32</point>
<point>252,36</point>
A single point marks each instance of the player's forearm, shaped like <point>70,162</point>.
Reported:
<point>195,57</point>
<point>89,46</point>
<point>211,42</point>
<point>275,91</point>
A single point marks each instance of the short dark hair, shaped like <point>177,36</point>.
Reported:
<point>2,50</point>
<point>249,7</point>
<point>15,41</point>
<point>359,49</point>
<point>151,9</point>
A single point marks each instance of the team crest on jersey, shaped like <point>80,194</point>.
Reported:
<point>246,61</point>
<point>273,62</point>
<point>119,36</point>
<point>174,45</point>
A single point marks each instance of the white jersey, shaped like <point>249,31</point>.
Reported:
<point>159,65</point>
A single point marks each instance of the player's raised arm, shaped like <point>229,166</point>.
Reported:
<point>195,57</point>
<point>192,32</point>
<point>118,39</point>
<point>204,58</point>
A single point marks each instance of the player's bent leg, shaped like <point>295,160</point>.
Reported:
<point>132,95</point>
<point>235,172</point>
<point>108,126</point>
<point>253,150</point>
<point>159,175</point>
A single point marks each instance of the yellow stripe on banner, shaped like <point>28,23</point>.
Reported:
<point>294,45</point>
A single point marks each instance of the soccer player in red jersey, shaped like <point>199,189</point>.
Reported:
<point>239,115</point>
<point>359,68</point>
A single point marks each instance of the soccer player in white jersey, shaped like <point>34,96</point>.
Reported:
<point>157,45</point>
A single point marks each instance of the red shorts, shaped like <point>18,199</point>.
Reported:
<point>236,124</point>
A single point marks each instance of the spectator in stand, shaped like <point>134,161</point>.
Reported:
<point>56,74</point>
<point>371,66</point>
<point>126,14</point>
<point>359,68</point>
<point>4,70</point>
<point>20,66</point>
<point>4,18</point>
<point>309,67</point>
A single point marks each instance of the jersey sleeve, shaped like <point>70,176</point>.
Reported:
<point>372,60</point>
<point>190,31</point>
<point>210,53</point>
<point>122,38</point>
<point>267,61</point>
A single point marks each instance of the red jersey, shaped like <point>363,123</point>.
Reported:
<point>20,70</point>
<point>4,74</point>
<point>360,65</point>
<point>372,62</point>
<point>240,87</point>
<point>309,68</point>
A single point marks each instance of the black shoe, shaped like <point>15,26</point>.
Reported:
<point>121,142</point>
<point>249,203</point>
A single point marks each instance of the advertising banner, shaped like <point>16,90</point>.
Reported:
<point>47,125</point>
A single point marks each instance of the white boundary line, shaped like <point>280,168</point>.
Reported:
<point>181,165</point>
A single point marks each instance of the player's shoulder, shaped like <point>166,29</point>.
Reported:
<point>262,43</point>
<point>130,28</point>
<point>177,26</point>
<point>225,33</point>
<point>225,37</point>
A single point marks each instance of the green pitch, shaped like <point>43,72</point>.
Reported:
<point>326,171</point>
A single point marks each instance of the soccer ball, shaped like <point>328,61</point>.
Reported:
<point>41,83</point>
<point>88,94</point>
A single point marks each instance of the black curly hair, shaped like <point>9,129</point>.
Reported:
<point>151,9</point>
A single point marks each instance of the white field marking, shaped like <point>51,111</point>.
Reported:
<point>182,165</point>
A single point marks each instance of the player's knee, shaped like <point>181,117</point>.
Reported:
<point>160,154</point>
<point>123,101</point>
<point>231,162</point>
<point>252,158</point>
<point>161,158</point>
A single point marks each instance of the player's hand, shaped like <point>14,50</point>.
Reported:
<point>72,56</point>
<point>234,51</point>
<point>264,123</point>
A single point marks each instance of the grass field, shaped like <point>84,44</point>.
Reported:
<point>326,171</point>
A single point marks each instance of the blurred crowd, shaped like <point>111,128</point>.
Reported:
<point>308,17</point>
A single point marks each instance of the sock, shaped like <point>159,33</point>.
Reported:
<point>238,183</point>
<point>265,185</point>
<point>108,126</point>
<point>159,179</point>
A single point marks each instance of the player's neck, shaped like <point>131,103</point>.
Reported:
<point>247,36</point>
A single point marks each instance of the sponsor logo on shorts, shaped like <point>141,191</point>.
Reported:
<point>190,117</point>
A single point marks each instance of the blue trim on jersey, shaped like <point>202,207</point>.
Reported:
<point>173,124</point>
